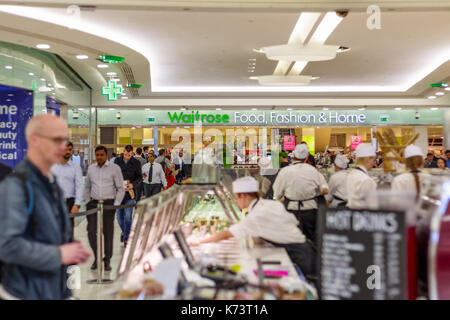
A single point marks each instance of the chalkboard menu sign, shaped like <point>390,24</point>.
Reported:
<point>362,255</point>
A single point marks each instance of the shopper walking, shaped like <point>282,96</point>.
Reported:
<point>132,174</point>
<point>359,183</point>
<point>113,157</point>
<point>144,153</point>
<point>76,158</point>
<point>337,195</point>
<point>411,181</point>
<point>104,181</point>
<point>70,178</point>
<point>447,158</point>
<point>35,245</point>
<point>301,186</point>
<point>162,159</point>
<point>310,160</point>
<point>441,164</point>
<point>430,161</point>
<point>154,177</point>
<point>140,187</point>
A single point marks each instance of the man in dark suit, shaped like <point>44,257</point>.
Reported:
<point>4,171</point>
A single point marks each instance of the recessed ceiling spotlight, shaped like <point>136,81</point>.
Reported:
<point>124,98</point>
<point>432,97</point>
<point>42,79</point>
<point>398,108</point>
<point>102,66</point>
<point>147,109</point>
<point>342,49</point>
<point>289,109</point>
<point>182,109</point>
<point>251,70</point>
<point>218,109</point>
<point>253,78</point>
<point>8,67</point>
<point>315,78</point>
<point>111,109</point>
<point>447,89</point>
<point>440,93</point>
<point>258,50</point>
<point>434,109</point>
<point>82,57</point>
<point>362,108</point>
<point>112,74</point>
<point>43,46</point>
<point>30,73</point>
<point>254,109</point>
<point>325,109</point>
<point>82,109</point>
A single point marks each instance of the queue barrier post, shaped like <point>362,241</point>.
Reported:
<point>100,279</point>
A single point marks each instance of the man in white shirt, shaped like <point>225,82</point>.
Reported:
<point>76,158</point>
<point>154,177</point>
<point>268,220</point>
<point>337,194</point>
<point>70,178</point>
<point>359,183</point>
<point>301,185</point>
<point>104,181</point>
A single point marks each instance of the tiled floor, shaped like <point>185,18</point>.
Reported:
<point>96,291</point>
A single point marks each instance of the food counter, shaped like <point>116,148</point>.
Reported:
<point>195,211</point>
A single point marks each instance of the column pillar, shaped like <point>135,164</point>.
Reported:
<point>155,139</point>
<point>422,141</point>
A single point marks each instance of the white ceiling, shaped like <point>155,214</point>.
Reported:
<point>183,54</point>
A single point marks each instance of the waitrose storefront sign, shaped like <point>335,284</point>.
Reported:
<point>267,118</point>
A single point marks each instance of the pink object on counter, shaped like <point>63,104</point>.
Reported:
<point>273,272</point>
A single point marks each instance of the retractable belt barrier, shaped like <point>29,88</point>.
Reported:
<point>94,210</point>
<point>99,212</point>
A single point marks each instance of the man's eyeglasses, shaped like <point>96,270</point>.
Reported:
<point>55,140</point>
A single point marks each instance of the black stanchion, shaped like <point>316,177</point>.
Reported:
<point>100,279</point>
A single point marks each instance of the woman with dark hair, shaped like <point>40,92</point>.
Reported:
<point>441,164</point>
<point>414,163</point>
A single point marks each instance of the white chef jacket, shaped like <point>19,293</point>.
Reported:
<point>359,183</point>
<point>268,219</point>
<point>406,182</point>
<point>338,187</point>
<point>299,181</point>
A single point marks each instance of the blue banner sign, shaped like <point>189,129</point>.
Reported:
<point>16,108</point>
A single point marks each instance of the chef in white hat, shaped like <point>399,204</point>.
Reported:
<point>359,183</point>
<point>300,184</point>
<point>269,220</point>
<point>337,194</point>
<point>412,180</point>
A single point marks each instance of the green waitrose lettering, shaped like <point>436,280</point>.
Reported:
<point>195,116</point>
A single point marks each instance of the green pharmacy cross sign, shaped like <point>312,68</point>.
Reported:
<point>112,89</point>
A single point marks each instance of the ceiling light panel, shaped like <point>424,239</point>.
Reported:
<point>328,24</point>
<point>302,28</point>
